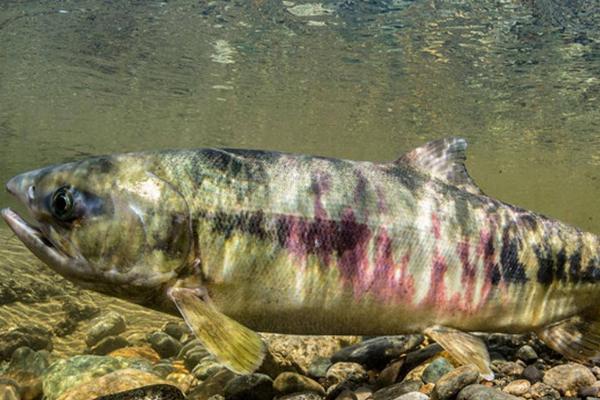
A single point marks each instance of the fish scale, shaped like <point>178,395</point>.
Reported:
<point>235,240</point>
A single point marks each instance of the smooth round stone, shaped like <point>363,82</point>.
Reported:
<point>213,385</point>
<point>518,387</point>
<point>413,396</point>
<point>108,344</point>
<point>399,389</point>
<point>451,383</point>
<point>569,378</point>
<point>509,368</point>
<point>436,369</point>
<point>250,387</point>
<point>345,371</point>
<point>174,329</point>
<point>195,357</point>
<point>532,374</point>
<point>114,382</point>
<point>205,368</point>
<point>109,324</point>
<point>164,344</point>
<point>34,337</point>
<point>379,351</point>
<point>480,392</point>
<point>527,354</point>
<point>363,393</point>
<point>389,375</point>
<point>542,391</point>
<point>318,368</point>
<point>290,382</point>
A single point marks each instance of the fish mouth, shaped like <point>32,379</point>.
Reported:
<point>34,239</point>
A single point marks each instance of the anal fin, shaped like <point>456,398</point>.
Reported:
<point>464,347</point>
<point>236,347</point>
<point>576,338</point>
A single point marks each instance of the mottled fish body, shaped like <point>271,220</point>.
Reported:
<point>311,245</point>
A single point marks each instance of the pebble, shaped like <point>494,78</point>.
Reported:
<point>589,391</point>
<point>394,391</point>
<point>165,345</point>
<point>108,344</point>
<point>508,368</point>
<point>345,371</point>
<point>378,352</point>
<point>319,366</point>
<point>114,382</point>
<point>390,374</point>
<point>527,354</point>
<point>569,378</point>
<point>518,387</point>
<point>296,353</point>
<point>213,385</point>
<point>205,368</point>
<point>346,394</point>
<point>175,329</point>
<point>533,374</point>
<point>250,387</point>
<point>452,382</point>
<point>290,382</point>
<point>33,337</point>
<point>481,392</point>
<point>363,393</point>
<point>436,369</point>
<point>413,396</point>
<point>544,392</point>
<point>109,324</point>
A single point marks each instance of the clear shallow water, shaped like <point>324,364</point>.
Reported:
<point>362,80</point>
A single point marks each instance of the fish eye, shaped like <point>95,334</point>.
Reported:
<point>62,204</point>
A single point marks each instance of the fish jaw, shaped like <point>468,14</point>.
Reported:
<point>35,240</point>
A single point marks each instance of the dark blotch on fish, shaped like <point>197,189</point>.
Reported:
<point>545,273</point>
<point>152,392</point>
<point>512,269</point>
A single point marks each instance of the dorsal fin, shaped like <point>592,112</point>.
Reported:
<point>443,159</point>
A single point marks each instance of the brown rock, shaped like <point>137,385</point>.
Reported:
<point>291,382</point>
<point>345,371</point>
<point>518,387</point>
<point>296,353</point>
<point>540,390</point>
<point>569,378</point>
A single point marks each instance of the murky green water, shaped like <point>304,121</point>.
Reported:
<point>353,79</point>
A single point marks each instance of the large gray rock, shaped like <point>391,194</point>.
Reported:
<point>451,383</point>
<point>480,392</point>
<point>569,378</point>
<point>379,351</point>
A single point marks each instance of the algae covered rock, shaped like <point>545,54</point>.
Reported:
<point>63,375</point>
<point>114,382</point>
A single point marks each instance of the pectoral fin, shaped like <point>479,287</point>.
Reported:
<point>464,347</point>
<point>232,344</point>
<point>576,338</point>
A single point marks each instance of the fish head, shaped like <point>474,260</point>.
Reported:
<point>106,223</point>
